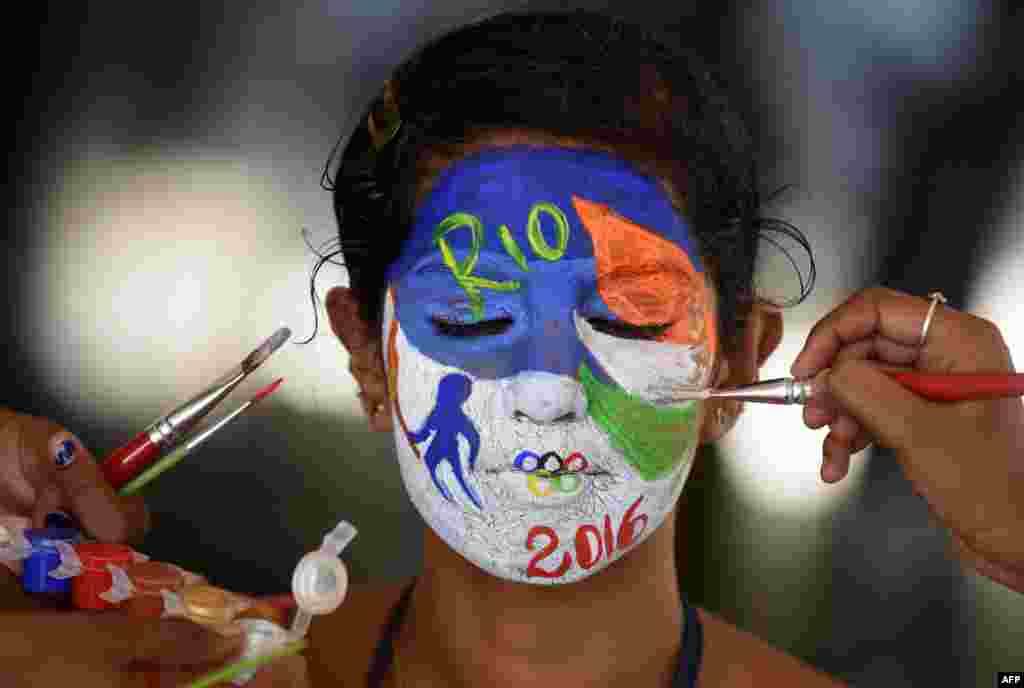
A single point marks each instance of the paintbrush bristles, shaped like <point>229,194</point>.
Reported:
<point>691,394</point>
<point>268,390</point>
<point>263,352</point>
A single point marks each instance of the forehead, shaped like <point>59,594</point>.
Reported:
<point>500,187</point>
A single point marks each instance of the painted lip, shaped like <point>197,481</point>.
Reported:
<point>550,464</point>
<point>540,490</point>
<point>544,474</point>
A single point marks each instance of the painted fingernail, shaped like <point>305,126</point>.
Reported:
<point>58,519</point>
<point>65,454</point>
<point>795,366</point>
<point>827,464</point>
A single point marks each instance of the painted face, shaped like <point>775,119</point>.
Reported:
<point>546,305</point>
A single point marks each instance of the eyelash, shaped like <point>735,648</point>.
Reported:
<point>481,328</point>
<point>617,328</point>
<point>490,328</point>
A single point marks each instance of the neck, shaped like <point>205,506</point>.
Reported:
<point>620,627</point>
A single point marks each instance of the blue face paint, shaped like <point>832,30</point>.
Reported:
<point>498,245</point>
<point>446,422</point>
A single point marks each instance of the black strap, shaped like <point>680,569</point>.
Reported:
<point>686,670</point>
<point>385,652</point>
<point>692,652</point>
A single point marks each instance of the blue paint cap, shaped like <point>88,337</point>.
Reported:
<point>45,558</point>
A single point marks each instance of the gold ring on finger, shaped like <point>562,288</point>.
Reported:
<point>936,298</point>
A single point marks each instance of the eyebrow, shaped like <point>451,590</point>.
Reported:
<point>486,258</point>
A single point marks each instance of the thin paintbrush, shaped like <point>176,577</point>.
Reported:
<point>225,674</point>
<point>932,386</point>
<point>129,461</point>
<point>169,461</point>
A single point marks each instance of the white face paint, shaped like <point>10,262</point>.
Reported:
<point>652,370</point>
<point>537,447</point>
<point>572,518</point>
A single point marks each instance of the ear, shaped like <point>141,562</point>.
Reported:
<point>771,332</point>
<point>362,340</point>
<point>759,340</point>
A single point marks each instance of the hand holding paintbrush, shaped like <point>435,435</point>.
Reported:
<point>70,479</point>
<point>167,432</point>
<point>933,384</point>
<point>45,469</point>
<point>930,386</point>
<point>952,415</point>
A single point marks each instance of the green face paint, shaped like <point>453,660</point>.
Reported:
<point>536,237</point>
<point>512,248</point>
<point>462,270</point>
<point>652,439</point>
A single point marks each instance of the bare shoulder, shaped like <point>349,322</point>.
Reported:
<point>342,644</point>
<point>734,657</point>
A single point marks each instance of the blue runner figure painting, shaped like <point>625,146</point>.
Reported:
<point>447,421</point>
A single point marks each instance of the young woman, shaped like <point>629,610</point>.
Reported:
<point>550,223</point>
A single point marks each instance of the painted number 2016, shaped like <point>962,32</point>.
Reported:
<point>462,270</point>
<point>590,546</point>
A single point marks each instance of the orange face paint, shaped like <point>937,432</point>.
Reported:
<point>393,380</point>
<point>646,279</point>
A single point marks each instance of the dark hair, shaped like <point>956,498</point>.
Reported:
<point>573,74</point>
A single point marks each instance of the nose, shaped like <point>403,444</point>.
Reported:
<point>544,398</point>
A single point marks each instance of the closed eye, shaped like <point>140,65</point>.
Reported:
<point>617,328</point>
<point>481,328</point>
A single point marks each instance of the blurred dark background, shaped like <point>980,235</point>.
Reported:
<point>164,158</point>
